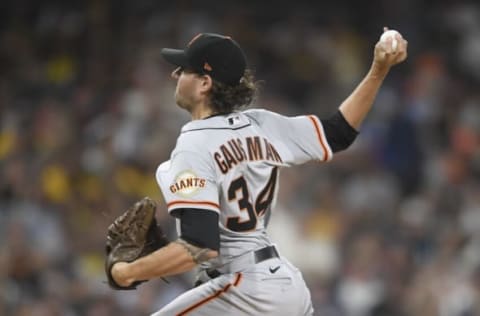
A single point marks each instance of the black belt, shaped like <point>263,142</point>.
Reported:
<point>260,255</point>
<point>265,254</point>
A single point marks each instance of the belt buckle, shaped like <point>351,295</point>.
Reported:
<point>213,273</point>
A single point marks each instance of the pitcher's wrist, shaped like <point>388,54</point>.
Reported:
<point>119,274</point>
<point>378,71</point>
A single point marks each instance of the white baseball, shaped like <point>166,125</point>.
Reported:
<point>390,34</point>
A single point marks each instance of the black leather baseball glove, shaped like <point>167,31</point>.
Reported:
<point>132,235</point>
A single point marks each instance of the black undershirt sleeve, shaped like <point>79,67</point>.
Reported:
<point>340,135</point>
<point>199,227</point>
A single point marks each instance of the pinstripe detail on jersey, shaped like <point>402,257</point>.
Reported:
<point>200,204</point>
<point>191,308</point>
<point>327,152</point>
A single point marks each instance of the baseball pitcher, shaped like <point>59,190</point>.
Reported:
<point>221,183</point>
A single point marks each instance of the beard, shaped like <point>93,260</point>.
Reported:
<point>185,102</point>
<point>181,102</point>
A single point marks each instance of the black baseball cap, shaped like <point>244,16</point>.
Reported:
<point>216,55</point>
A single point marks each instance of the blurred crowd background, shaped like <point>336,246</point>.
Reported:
<point>389,227</point>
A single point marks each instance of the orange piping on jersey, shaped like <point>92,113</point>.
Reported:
<point>211,297</point>
<point>238,279</point>
<point>193,203</point>
<point>320,138</point>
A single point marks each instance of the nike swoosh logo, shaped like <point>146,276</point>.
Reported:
<point>274,269</point>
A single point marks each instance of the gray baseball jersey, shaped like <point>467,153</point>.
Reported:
<point>229,164</point>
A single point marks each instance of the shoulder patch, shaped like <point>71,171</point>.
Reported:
<point>187,183</point>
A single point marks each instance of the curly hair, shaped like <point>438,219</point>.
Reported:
<point>226,99</point>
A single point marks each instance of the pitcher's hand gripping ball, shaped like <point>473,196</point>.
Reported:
<point>391,35</point>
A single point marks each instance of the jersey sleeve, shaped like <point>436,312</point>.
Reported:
<point>302,138</point>
<point>187,180</point>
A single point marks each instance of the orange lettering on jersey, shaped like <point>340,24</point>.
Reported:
<point>236,151</point>
<point>183,185</point>
<point>254,148</point>
<point>227,155</point>
<point>276,154</point>
<point>187,183</point>
<point>240,146</point>
<point>220,162</point>
<point>269,153</point>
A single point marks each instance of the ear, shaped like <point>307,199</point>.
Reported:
<point>206,83</point>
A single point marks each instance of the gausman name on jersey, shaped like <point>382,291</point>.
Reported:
<point>235,151</point>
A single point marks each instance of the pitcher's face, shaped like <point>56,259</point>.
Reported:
<point>187,92</point>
